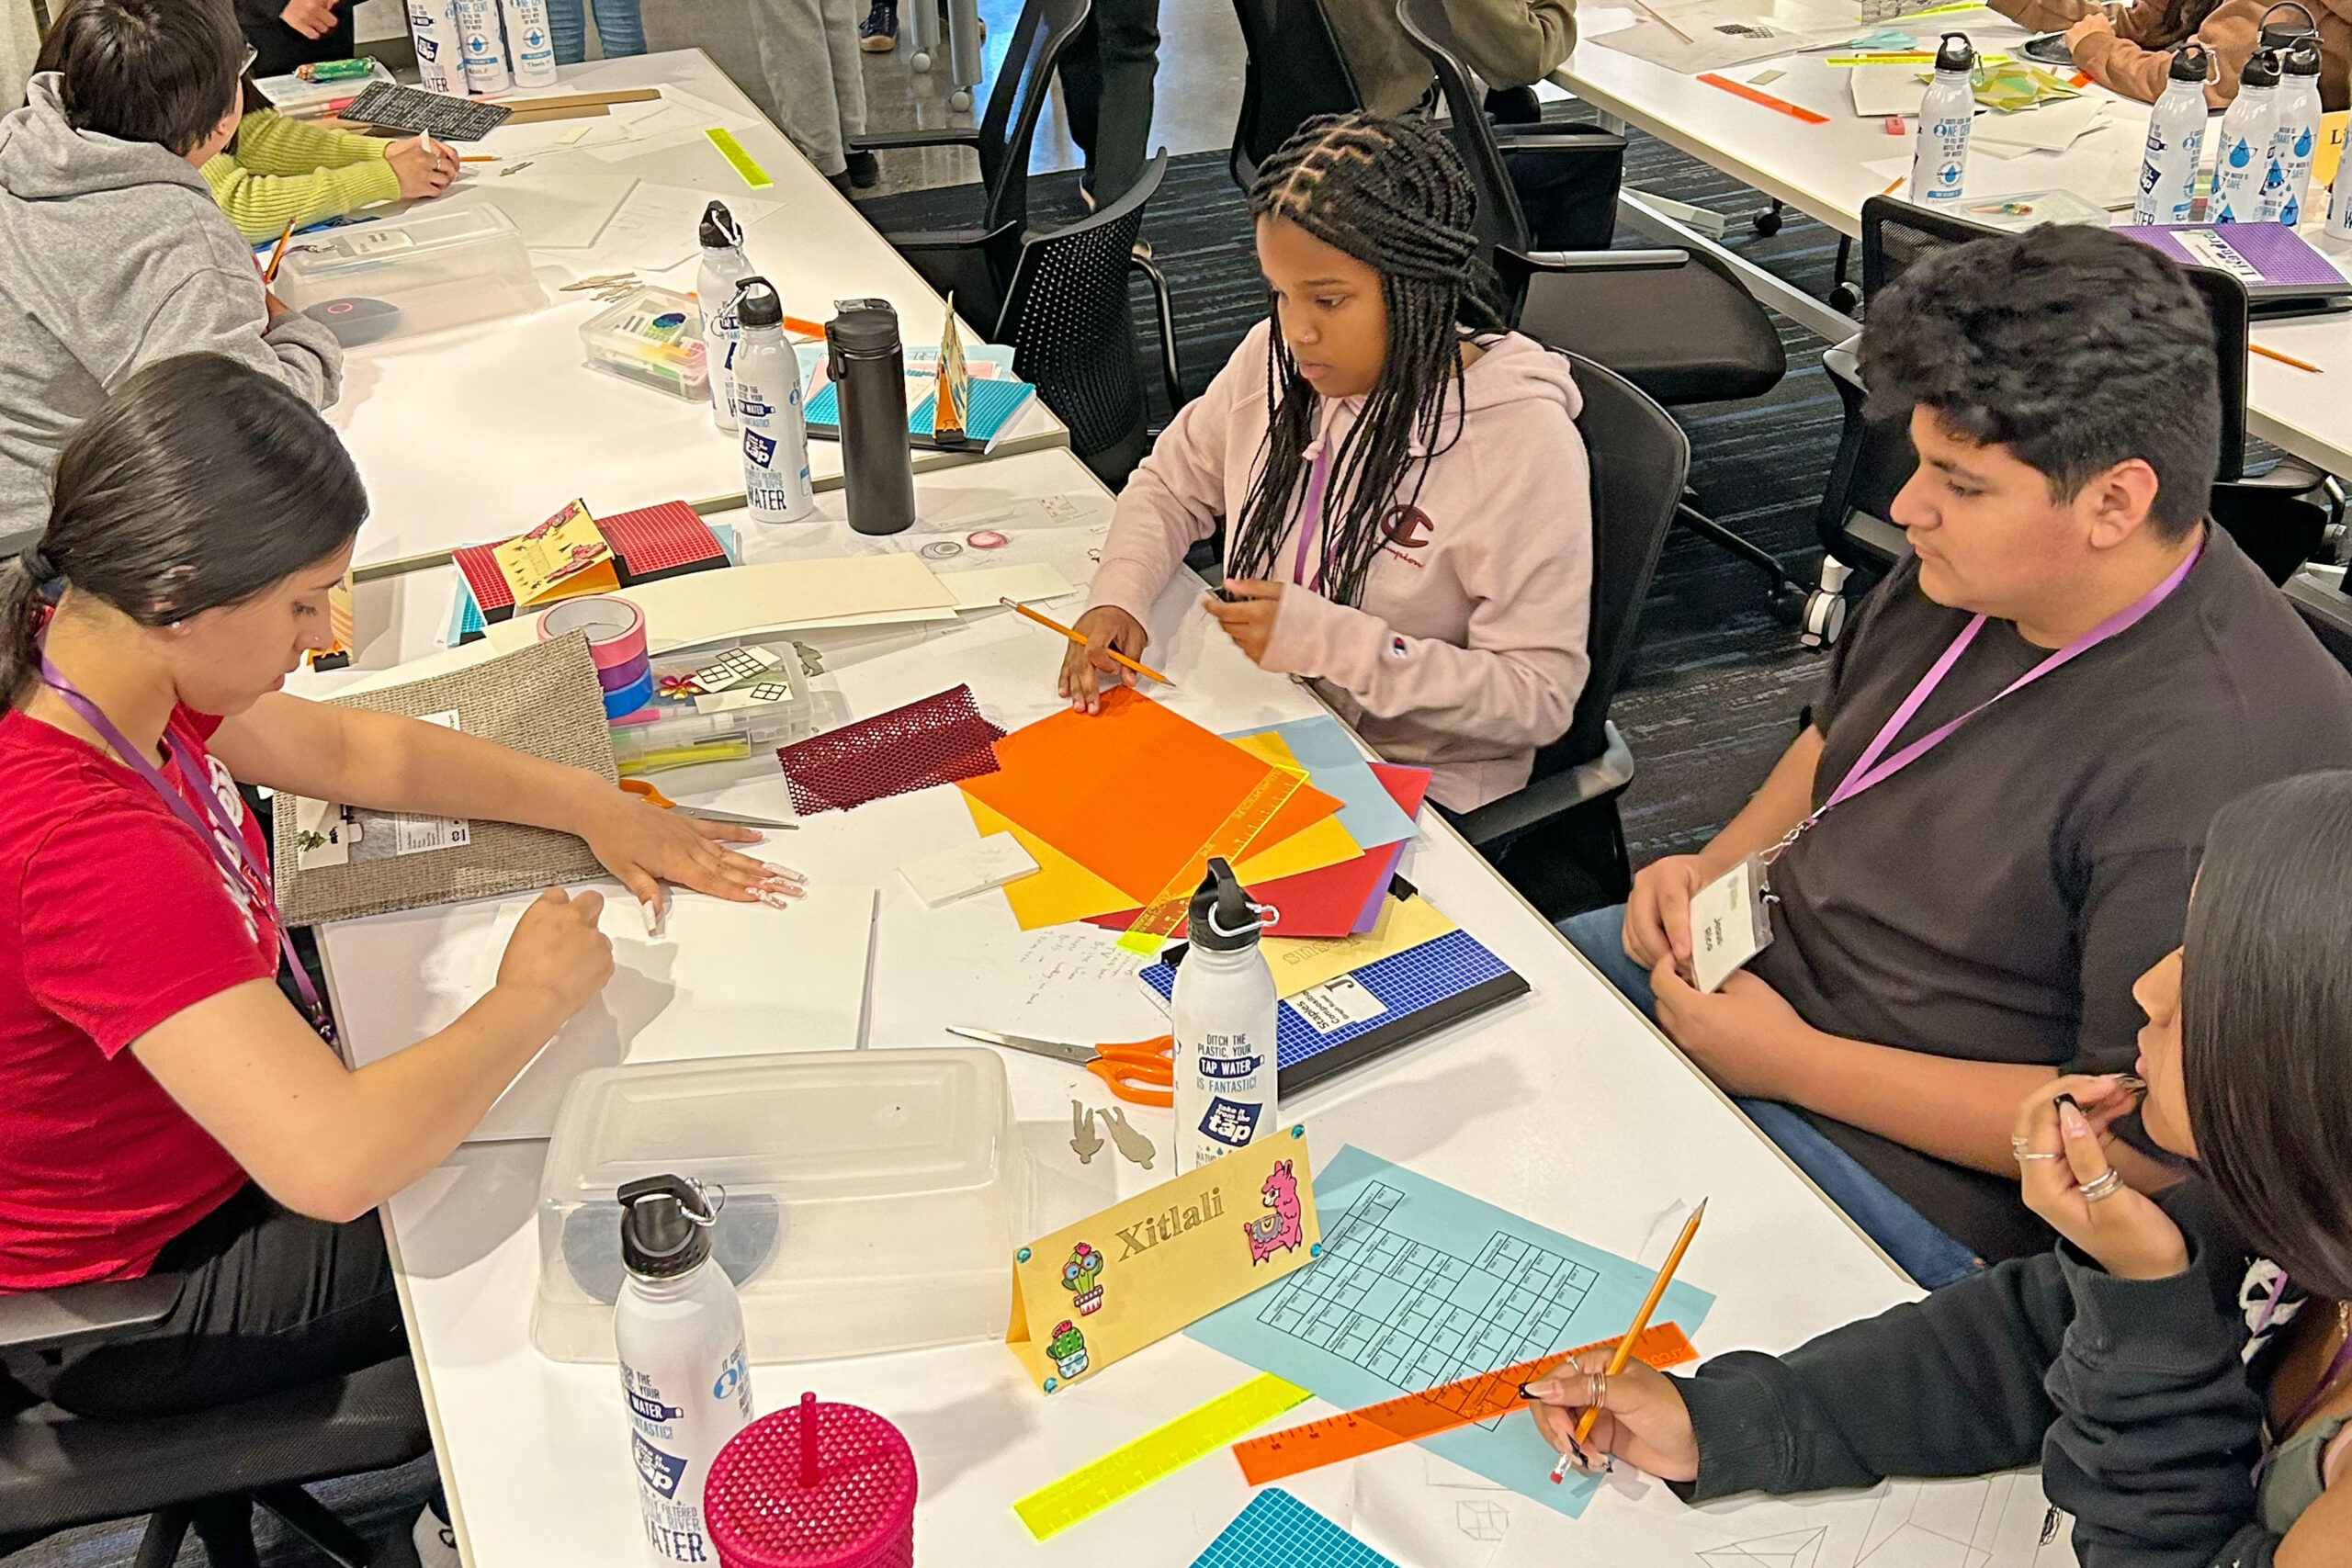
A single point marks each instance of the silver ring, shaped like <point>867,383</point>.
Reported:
<point>2018,1142</point>
<point>2027,1157</point>
<point>2103,1185</point>
<point>1597,1390</point>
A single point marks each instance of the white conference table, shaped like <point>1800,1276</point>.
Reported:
<point>1818,170</point>
<point>478,432</point>
<point>1564,1106</point>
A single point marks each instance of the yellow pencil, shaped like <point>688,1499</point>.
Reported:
<point>1080,638</point>
<point>2286,358</point>
<point>1624,1351</point>
<point>278,254</point>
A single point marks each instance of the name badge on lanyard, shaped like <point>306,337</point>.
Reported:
<point>1729,923</point>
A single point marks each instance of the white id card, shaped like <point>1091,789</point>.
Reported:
<point>1729,924</point>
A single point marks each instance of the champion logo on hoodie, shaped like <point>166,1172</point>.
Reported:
<point>1405,528</point>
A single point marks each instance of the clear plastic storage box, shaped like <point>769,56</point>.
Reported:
<point>873,1198</point>
<point>675,731</point>
<point>653,338</point>
<point>417,273</point>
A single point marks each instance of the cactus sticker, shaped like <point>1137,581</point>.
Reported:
<point>1079,1276</point>
<point>1068,1347</point>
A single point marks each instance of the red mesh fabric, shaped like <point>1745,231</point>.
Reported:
<point>860,1513</point>
<point>937,740</point>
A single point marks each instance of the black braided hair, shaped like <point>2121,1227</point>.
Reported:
<point>1393,195</point>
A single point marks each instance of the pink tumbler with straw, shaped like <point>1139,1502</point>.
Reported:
<point>817,1486</point>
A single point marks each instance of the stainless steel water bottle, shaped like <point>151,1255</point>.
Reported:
<point>867,366</point>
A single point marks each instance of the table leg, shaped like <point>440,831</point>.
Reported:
<point>922,19</point>
<point>963,50</point>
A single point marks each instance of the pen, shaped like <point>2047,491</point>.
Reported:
<point>1080,638</point>
<point>1624,1351</point>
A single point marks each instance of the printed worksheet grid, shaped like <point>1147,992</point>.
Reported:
<point>1415,1316</point>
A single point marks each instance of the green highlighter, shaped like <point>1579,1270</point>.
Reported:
<point>336,70</point>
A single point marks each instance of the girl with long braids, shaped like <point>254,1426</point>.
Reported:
<point>1411,526</point>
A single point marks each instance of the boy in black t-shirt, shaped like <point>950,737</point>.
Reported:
<point>1972,923</point>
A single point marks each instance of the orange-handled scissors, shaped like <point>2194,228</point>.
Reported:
<point>1140,1071</point>
<point>654,796</point>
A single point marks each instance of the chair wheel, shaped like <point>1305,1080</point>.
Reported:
<point>1824,619</point>
<point>1787,604</point>
<point>1845,298</point>
<point>922,61</point>
<point>1767,222</point>
<point>960,99</point>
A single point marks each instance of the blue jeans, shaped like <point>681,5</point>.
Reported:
<point>619,28</point>
<point>1924,1250</point>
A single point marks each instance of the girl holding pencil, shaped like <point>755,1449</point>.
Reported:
<point>1408,514</point>
<point>2178,1365</point>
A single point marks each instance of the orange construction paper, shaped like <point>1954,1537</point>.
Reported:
<point>1131,793</point>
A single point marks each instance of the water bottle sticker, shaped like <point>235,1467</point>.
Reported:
<point>1231,1123</point>
<point>757,447</point>
<point>649,1409</point>
<point>754,405</point>
<point>656,1470</point>
<point>1228,1066</point>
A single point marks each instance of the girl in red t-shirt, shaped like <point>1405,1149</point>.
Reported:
<point>163,1105</point>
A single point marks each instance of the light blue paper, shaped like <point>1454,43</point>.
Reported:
<point>1367,810</point>
<point>1416,1284</point>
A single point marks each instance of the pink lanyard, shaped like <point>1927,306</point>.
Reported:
<point>238,864</point>
<point>1310,520</point>
<point>1869,770</point>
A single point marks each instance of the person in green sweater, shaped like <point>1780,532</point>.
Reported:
<point>279,171</point>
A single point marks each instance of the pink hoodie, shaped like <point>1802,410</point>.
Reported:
<point>1469,650</point>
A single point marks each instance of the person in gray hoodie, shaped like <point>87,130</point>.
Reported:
<point>113,254</point>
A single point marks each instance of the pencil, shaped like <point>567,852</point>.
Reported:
<point>480,158</point>
<point>804,326</point>
<point>2286,359</point>
<point>1624,1351</point>
<point>1662,19</point>
<point>1893,184</point>
<point>1080,638</point>
<point>278,254</point>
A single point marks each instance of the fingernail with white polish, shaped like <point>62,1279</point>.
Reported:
<point>776,897</point>
<point>655,919</point>
<point>785,872</point>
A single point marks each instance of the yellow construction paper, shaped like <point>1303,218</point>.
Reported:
<point>1061,891</point>
<point>562,556</point>
<point>1302,963</point>
<point>2328,155</point>
<point>1147,1267</point>
<point>1324,843</point>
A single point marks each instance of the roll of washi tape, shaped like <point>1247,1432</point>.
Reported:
<point>616,627</point>
<point>624,674</point>
<point>630,698</point>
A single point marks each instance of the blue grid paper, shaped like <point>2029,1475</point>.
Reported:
<point>1277,1530</point>
<point>993,405</point>
<point>1404,983</point>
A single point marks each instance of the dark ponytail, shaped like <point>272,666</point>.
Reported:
<point>198,484</point>
<point>1393,195</point>
<point>2267,1023</point>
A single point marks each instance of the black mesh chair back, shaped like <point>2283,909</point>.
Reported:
<point>1294,71</point>
<point>1639,458</point>
<point>1023,84</point>
<point>1072,329</point>
<point>1501,222</point>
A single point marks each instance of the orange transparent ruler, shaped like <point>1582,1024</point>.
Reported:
<point>1440,1409</point>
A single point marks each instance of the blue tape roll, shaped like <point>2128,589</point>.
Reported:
<point>629,698</point>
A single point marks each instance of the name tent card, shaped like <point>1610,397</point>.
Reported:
<point>1154,1264</point>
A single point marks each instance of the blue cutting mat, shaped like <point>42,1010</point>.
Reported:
<point>1277,1530</point>
<point>993,405</point>
<point>1405,982</point>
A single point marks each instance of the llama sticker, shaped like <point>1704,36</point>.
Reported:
<point>1077,1277</point>
<point>1282,1228</point>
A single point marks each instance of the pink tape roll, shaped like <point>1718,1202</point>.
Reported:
<point>616,627</point>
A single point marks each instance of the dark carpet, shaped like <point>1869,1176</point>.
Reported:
<point>1712,697</point>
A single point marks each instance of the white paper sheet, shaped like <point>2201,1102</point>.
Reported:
<point>2046,127</point>
<point>980,588</point>
<point>554,211</point>
<point>655,228</point>
<point>685,612</point>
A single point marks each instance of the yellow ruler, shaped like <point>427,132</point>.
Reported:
<point>735,154</point>
<point>1167,910</point>
<point>1163,1450</point>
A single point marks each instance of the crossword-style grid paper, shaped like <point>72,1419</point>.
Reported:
<point>1415,1316</point>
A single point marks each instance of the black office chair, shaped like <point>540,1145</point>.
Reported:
<point>2279,517</point>
<point>1676,323</point>
<point>1293,70</point>
<point>1073,332</point>
<point>975,265</point>
<point>203,1472</point>
<point>1558,839</point>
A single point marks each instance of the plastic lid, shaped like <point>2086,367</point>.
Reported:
<point>2190,63</point>
<point>1955,53</point>
<point>2261,69</point>
<point>757,304</point>
<point>2280,33</point>
<point>2303,59</point>
<point>814,1486</point>
<point>864,326</point>
<point>666,1227</point>
<point>1222,919</point>
<point>720,230</point>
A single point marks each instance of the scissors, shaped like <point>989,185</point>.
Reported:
<point>655,797</point>
<point>1131,1069</point>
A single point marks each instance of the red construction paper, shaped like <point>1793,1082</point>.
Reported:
<point>1132,793</point>
<point>1337,900</point>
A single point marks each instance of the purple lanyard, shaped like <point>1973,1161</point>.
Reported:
<point>238,864</point>
<point>1869,770</point>
<point>1310,520</point>
<point>2335,1370</point>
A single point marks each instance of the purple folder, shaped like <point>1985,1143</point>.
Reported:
<point>2270,259</point>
